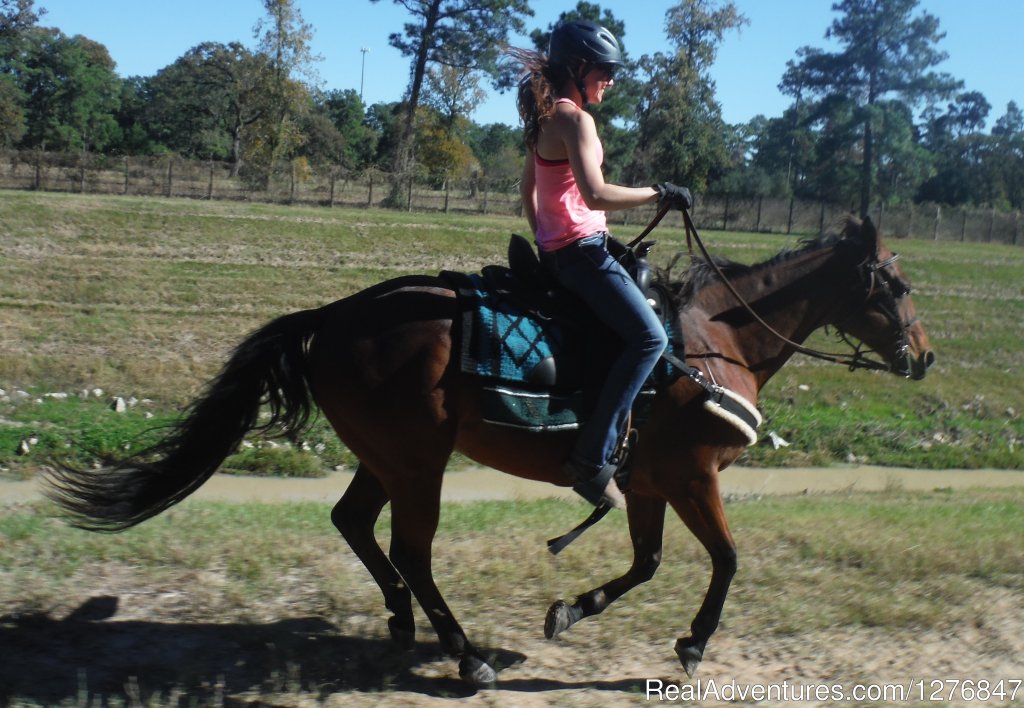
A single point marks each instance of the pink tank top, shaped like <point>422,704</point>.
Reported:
<point>562,215</point>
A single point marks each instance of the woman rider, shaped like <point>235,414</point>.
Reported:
<point>565,198</point>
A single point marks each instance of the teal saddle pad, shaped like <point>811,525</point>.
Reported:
<point>517,353</point>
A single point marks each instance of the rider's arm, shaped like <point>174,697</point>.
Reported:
<point>580,138</point>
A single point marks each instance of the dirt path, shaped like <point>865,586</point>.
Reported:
<point>300,659</point>
<point>478,483</point>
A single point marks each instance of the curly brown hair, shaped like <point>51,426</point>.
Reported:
<point>537,91</point>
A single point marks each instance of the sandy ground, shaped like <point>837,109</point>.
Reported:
<point>478,483</point>
<point>305,660</point>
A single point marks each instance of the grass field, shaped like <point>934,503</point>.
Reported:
<point>143,298</point>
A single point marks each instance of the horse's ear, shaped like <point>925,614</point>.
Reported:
<point>869,235</point>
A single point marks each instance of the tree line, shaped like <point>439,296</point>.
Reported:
<point>871,122</point>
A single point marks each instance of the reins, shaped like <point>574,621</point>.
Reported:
<point>651,226</point>
<point>857,361</point>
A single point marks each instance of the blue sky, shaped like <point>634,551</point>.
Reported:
<point>982,40</point>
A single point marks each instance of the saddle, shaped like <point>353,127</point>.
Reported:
<point>526,285</point>
<point>544,354</point>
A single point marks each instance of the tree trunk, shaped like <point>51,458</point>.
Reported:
<point>236,148</point>
<point>403,151</point>
<point>865,171</point>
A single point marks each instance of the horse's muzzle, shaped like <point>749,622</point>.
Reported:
<point>915,367</point>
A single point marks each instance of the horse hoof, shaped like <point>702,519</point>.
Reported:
<point>558,620</point>
<point>689,654</point>
<point>404,638</point>
<point>476,672</point>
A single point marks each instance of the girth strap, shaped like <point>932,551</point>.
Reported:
<point>720,401</point>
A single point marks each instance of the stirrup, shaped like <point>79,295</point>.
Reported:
<point>601,489</point>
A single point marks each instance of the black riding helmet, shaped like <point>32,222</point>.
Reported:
<point>573,43</point>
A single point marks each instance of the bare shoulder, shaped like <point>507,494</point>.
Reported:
<point>571,120</point>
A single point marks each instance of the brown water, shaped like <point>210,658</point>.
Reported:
<point>473,484</point>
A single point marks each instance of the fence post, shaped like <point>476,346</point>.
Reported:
<point>963,223</point>
<point>938,219</point>
<point>821,219</point>
<point>170,176</point>
<point>910,220</point>
<point>209,187</point>
<point>1016,226</point>
<point>757,226</point>
<point>369,198</point>
<point>991,223</point>
<point>409,204</point>
<point>81,172</point>
<point>125,174</point>
<point>789,220</point>
<point>725,214</point>
<point>447,189</point>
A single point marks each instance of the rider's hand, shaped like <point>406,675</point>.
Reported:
<point>672,196</point>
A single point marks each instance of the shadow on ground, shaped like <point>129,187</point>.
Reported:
<point>89,654</point>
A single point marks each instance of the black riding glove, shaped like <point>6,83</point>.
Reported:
<point>672,196</point>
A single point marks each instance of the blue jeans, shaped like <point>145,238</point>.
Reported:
<point>586,269</point>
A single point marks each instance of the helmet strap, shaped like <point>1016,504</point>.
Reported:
<point>581,85</point>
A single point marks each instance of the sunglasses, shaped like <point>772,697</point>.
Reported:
<point>608,70</point>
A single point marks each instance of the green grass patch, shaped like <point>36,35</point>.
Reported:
<point>274,462</point>
<point>39,428</point>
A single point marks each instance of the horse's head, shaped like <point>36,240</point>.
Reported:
<point>884,317</point>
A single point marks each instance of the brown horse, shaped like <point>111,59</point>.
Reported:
<point>380,366</point>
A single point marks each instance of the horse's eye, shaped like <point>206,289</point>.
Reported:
<point>899,288</point>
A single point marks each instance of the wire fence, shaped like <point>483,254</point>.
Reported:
<point>297,183</point>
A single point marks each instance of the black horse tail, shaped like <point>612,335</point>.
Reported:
<point>268,367</point>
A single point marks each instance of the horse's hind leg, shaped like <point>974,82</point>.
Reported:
<point>415,510</point>
<point>702,511</point>
<point>354,516</point>
<point>646,526</point>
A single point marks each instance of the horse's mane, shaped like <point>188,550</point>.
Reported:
<point>702,273</point>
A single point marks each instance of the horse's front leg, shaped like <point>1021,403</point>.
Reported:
<point>702,511</point>
<point>646,524</point>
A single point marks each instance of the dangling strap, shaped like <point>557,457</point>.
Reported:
<point>555,545</point>
<point>622,463</point>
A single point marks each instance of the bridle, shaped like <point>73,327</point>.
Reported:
<point>892,290</point>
